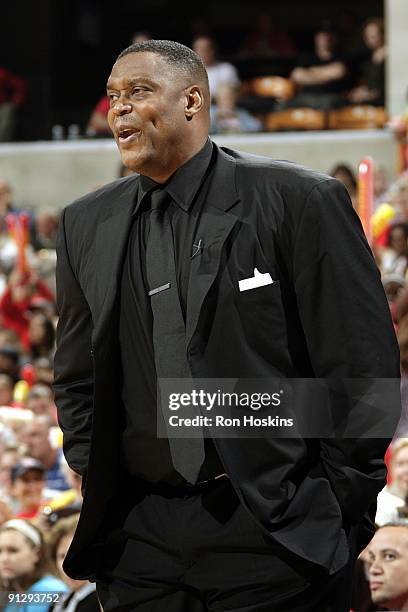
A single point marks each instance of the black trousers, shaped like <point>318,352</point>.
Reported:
<point>202,551</point>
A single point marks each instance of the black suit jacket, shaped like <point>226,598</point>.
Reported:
<point>325,315</point>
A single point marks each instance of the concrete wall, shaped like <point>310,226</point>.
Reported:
<point>396,23</point>
<point>53,174</point>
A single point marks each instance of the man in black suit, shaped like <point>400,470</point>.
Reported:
<point>149,284</point>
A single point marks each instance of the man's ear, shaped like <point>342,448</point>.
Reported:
<point>194,101</point>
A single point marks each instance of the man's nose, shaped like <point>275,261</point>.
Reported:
<point>121,108</point>
<point>375,568</point>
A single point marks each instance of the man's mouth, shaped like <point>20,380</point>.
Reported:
<point>127,135</point>
<point>375,585</point>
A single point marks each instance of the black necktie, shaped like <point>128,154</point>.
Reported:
<point>169,333</point>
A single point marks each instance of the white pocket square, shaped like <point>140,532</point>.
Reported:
<point>257,280</point>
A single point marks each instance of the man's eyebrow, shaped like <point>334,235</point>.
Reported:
<point>133,81</point>
<point>389,550</point>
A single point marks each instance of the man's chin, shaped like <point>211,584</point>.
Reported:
<point>379,599</point>
<point>133,161</point>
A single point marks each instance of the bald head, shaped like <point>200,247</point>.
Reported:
<point>387,558</point>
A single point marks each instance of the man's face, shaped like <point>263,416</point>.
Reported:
<point>388,567</point>
<point>147,112</point>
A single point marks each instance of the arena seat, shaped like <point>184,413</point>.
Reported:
<point>273,87</point>
<point>296,119</point>
<point>357,117</point>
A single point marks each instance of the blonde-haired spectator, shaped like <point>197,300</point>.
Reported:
<point>25,566</point>
<point>393,498</point>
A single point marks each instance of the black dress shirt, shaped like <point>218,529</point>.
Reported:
<point>143,454</point>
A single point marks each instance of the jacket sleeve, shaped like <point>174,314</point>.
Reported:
<point>73,364</point>
<point>349,334</point>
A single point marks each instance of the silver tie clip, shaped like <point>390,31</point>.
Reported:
<point>158,289</point>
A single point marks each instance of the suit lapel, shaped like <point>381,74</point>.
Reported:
<point>110,242</point>
<point>214,227</point>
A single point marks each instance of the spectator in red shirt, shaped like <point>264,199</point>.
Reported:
<point>98,122</point>
<point>22,290</point>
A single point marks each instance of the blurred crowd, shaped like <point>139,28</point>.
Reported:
<point>381,580</point>
<point>340,64</point>
<point>339,71</point>
<point>40,496</point>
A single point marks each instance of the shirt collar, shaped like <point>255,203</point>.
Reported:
<point>184,183</point>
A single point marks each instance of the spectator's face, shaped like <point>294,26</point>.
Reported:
<point>39,405</point>
<point>324,41</point>
<point>44,374</point>
<point>398,241</point>
<point>36,437</point>
<point>399,470</point>
<point>17,556</point>
<point>204,47</point>
<point>372,35</point>
<point>46,225</point>
<point>388,567</point>
<point>28,489</point>
<point>148,100</point>
<point>36,330</point>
